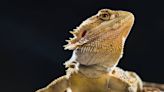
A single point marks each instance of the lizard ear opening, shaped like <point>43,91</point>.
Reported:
<point>83,33</point>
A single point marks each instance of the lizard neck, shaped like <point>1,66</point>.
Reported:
<point>105,67</point>
<point>91,71</point>
<point>94,71</point>
<point>115,54</point>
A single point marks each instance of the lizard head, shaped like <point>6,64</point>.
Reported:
<point>105,25</point>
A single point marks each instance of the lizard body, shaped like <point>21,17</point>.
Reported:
<point>97,48</point>
<point>118,81</point>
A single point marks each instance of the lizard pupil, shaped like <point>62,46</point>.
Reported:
<point>105,15</point>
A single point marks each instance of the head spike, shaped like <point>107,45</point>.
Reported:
<point>74,33</point>
<point>67,41</point>
<point>71,38</point>
<point>69,46</point>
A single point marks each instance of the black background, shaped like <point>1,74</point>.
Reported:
<point>32,34</point>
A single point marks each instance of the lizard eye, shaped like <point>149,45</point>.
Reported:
<point>104,16</point>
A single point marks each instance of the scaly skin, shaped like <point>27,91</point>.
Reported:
<point>97,48</point>
<point>117,81</point>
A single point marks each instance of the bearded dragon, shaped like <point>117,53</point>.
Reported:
<point>97,48</point>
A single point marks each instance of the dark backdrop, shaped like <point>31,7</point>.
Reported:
<point>32,34</point>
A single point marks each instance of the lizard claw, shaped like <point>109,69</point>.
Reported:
<point>73,67</point>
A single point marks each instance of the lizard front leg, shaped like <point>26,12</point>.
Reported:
<point>59,85</point>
